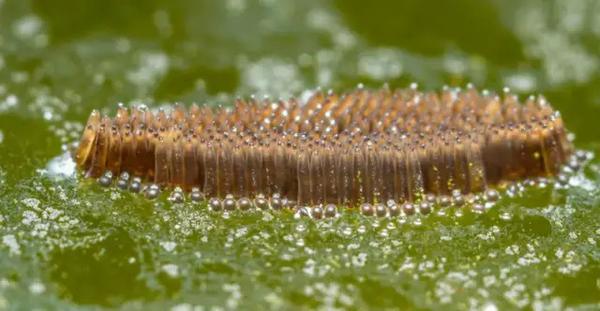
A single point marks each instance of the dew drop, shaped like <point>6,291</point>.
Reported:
<point>506,216</point>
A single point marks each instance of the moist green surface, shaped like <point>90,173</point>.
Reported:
<point>70,244</point>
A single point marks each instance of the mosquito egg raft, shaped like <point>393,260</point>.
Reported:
<point>389,153</point>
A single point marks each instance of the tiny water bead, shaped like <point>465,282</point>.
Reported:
<point>229,203</point>
<point>330,210</point>
<point>152,192</point>
<point>506,216</point>
<point>431,198</point>
<point>177,196</point>
<point>106,179</point>
<point>458,199</point>
<point>445,201</point>
<point>244,204</point>
<point>215,204</point>
<point>394,210</point>
<point>196,195</point>
<point>366,209</point>
<point>562,179</point>
<point>276,202</point>
<point>136,185</point>
<point>408,209</point>
<point>261,203</point>
<point>123,181</point>
<point>317,212</point>
<point>492,195</point>
<point>478,208</point>
<point>380,210</point>
<point>425,208</point>
<point>301,212</point>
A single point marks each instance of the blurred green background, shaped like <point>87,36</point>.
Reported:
<point>68,244</point>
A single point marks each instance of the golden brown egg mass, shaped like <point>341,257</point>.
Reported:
<point>363,146</point>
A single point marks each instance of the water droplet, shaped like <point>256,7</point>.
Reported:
<point>106,179</point>
<point>346,230</point>
<point>384,233</point>
<point>301,227</point>
<point>444,201</point>
<point>425,208</point>
<point>302,212</point>
<point>317,212</point>
<point>505,216</point>
<point>122,184</point>
<point>361,229</point>
<point>417,221</point>
<point>478,208</point>
<point>196,195</point>
<point>276,203</point>
<point>492,195</point>
<point>176,196</point>
<point>458,199</point>
<point>261,203</point>
<point>244,204</point>
<point>380,210</point>
<point>215,204</point>
<point>152,192</point>
<point>394,210</point>
<point>229,203</point>
<point>408,209</point>
<point>366,209</point>
<point>330,210</point>
<point>136,185</point>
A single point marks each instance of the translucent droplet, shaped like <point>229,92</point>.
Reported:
<point>301,227</point>
<point>417,221</point>
<point>506,216</point>
<point>361,229</point>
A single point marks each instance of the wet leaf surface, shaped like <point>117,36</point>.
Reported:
<point>67,243</point>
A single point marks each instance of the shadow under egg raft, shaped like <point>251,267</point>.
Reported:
<point>387,152</point>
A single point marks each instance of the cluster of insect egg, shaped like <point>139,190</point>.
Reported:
<point>409,149</point>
